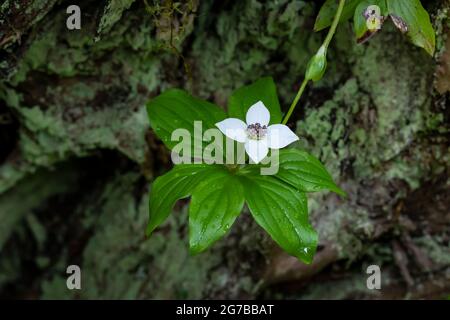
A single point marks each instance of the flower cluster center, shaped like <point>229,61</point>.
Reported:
<point>256,131</point>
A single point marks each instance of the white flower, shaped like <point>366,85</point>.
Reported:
<point>257,135</point>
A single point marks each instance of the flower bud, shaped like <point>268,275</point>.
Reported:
<point>317,65</point>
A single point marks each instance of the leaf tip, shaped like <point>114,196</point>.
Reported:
<point>307,257</point>
<point>340,192</point>
<point>194,249</point>
<point>430,50</point>
<point>319,25</point>
<point>305,260</point>
<point>149,230</point>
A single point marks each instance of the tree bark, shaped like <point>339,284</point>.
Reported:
<point>77,154</point>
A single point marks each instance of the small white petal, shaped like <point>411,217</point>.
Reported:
<point>256,149</point>
<point>279,136</point>
<point>233,128</point>
<point>258,113</point>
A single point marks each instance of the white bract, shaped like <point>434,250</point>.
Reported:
<point>257,135</point>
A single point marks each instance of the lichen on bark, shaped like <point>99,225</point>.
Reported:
<point>78,155</point>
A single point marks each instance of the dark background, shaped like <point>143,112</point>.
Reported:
<point>77,155</point>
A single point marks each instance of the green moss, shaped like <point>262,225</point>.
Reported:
<point>23,198</point>
<point>435,248</point>
<point>375,116</point>
<point>371,132</point>
<point>250,37</point>
<point>112,13</point>
<point>119,263</point>
<point>92,113</point>
<point>369,120</point>
<point>342,289</point>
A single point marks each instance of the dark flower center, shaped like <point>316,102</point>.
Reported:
<point>256,131</point>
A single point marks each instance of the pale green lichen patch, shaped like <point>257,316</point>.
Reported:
<point>376,116</point>
<point>126,269</point>
<point>371,133</point>
<point>112,13</point>
<point>373,120</point>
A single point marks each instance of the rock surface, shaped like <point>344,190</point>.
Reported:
<point>77,155</point>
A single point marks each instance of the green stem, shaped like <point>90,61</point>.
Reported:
<point>294,103</point>
<point>325,44</point>
<point>335,23</point>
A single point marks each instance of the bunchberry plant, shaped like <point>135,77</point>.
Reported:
<point>220,178</point>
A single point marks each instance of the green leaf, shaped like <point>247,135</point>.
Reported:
<point>301,170</point>
<point>283,212</point>
<point>176,109</point>
<point>262,90</point>
<point>328,10</point>
<point>305,172</point>
<point>177,184</point>
<point>420,29</point>
<point>215,204</point>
